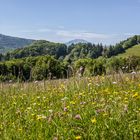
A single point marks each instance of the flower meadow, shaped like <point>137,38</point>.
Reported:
<point>89,108</point>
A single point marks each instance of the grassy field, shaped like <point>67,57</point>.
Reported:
<point>97,108</point>
<point>134,51</point>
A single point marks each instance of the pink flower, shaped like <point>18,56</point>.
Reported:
<point>78,117</point>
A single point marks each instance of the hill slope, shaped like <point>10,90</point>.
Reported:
<point>41,47</point>
<point>133,51</point>
<point>9,43</point>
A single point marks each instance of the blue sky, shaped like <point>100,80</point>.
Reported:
<point>106,21</point>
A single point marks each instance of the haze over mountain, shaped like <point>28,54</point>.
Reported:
<point>8,43</point>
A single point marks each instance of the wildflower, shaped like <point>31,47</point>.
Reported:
<point>20,129</point>
<point>55,138</point>
<point>99,110</point>
<point>81,94</point>
<point>125,108</point>
<point>78,117</point>
<point>97,85</point>
<point>114,83</point>
<point>135,95</point>
<point>72,102</point>
<point>126,101</point>
<point>33,114</point>
<point>65,98</point>
<point>35,82</point>
<point>82,103</point>
<point>65,109</point>
<point>62,86</point>
<point>38,97</point>
<point>10,81</point>
<point>41,117</point>
<point>133,72</point>
<point>93,103</point>
<point>78,137</point>
<point>93,120</point>
<point>29,108</point>
<point>44,97</point>
<point>50,110</point>
<point>89,84</point>
<point>127,79</point>
<point>105,114</point>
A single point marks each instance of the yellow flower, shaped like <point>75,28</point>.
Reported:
<point>41,117</point>
<point>72,102</point>
<point>20,129</point>
<point>78,137</point>
<point>135,95</point>
<point>105,114</point>
<point>93,103</point>
<point>93,120</point>
<point>29,108</point>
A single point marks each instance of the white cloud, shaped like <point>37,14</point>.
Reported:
<point>129,34</point>
<point>82,35</point>
<point>60,34</point>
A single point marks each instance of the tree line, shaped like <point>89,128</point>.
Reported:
<point>47,67</point>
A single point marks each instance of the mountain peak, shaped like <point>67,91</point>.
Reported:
<point>76,41</point>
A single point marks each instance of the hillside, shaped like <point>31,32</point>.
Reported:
<point>133,51</point>
<point>58,50</point>
<point>9,43</point>
<point>40,48</point>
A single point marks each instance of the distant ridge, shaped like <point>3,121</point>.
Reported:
<point>8,43</point>
<point>76,41</point>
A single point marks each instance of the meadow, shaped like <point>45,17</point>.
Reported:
<point>134,51</point>
<point>88,108</point>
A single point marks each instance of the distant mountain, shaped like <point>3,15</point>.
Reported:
<point>8,43</point>
<point>76,41</point>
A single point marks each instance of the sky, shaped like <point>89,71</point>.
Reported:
<point>97,21</point>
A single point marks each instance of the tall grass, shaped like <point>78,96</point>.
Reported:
<point>96,108</point>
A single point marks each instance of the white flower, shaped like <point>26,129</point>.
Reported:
<point>133,72</point>
<point>65,98</point>
<point>51,111</point>
<point>114,82</point>
<point>35,82</point>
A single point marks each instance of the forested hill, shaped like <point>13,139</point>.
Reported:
<point>58,50</point>
<point>72,52</point>
<point>9,43</point>
<point>39,48</point>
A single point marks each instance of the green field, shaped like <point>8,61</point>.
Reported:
<point>96,108</point>
<point>134,51</point>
